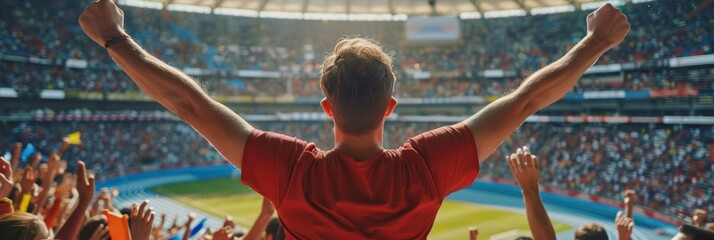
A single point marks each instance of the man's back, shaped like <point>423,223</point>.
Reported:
<point>394,194</point>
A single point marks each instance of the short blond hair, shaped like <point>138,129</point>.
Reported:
<point>358,82</point>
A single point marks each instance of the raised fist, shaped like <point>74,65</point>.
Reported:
<point>608,24</point>
<point>102,21</point>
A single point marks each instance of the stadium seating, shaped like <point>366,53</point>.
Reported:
<point>668,163</point>
<point>235,58</point>
<point>216,54</point>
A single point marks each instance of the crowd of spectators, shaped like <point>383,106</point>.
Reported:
<point>669,164</point>
<point>221,44</point>
<point>31,78</point>
<point>117,146</point>
<point>45,199</point>
<point>51,199</point>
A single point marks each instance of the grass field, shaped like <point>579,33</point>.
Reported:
<point>220,197</point>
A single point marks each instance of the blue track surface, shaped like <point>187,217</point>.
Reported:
<point>575,212</point>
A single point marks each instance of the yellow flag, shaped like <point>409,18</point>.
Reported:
<point>75,138</point>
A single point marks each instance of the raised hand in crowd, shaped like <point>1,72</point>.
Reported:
<point>16,151</point>
<point>66,184</point>
<point>85,188</point>
<point>64,146</point>
<point>699,218</point>
<point>27,189</point>
<point>100,233</point>
<point>35,159</point>
<point>27,182</point>
<point>104,200</point>
<point>624,221</point>
<point>229,222</point>
<point>141,221</point>
<point>629,202</point>
<point>257,231</point>
<point>473,233</point>
<point>525,170</point>
<point>6,181</point>
<point>175,227</point>
<point>624,225</point>
<point>225,233</point>
<point>53,166</point>
<point>158,231</point>
<point>186,227</point>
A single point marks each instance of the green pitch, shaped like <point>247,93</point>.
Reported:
<point>228,196</point>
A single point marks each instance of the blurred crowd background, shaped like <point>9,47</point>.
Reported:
<point>670,165</point>
<point>222,44</point>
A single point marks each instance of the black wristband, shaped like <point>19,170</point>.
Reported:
<point>114,40</point>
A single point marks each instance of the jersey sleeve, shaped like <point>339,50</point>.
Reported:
<point>451,154</point>
<point>268,159</point>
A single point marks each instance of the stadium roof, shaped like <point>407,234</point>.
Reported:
<point>338,9</point>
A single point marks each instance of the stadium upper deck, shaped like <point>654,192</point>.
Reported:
<point>260,57</point>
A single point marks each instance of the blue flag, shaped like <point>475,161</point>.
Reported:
<point>29,150</point>
<point>198,227</point>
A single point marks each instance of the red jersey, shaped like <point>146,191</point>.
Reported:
<point>394,194</point>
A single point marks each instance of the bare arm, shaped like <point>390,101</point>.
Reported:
<point>85,187</point>
<point>176,91</point>
<point>525,170</point>
<point>53,163</point>
<point>624,222</point>
<point>257,231</point>
<point>15,157</point>
<point>607,27</point>
<point>538,220</point>
<point>63,147</point>
<point>6,181</point>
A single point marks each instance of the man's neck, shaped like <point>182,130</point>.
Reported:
<point>359,147</point>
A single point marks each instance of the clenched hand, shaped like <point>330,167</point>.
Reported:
<point>102,21</point>
<point>608,24</point>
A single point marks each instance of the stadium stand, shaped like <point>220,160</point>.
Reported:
<point>273,65</point>
<point>668,163</point>
<point>237,55</point>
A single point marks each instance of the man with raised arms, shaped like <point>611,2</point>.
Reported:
<point>358,190</point>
